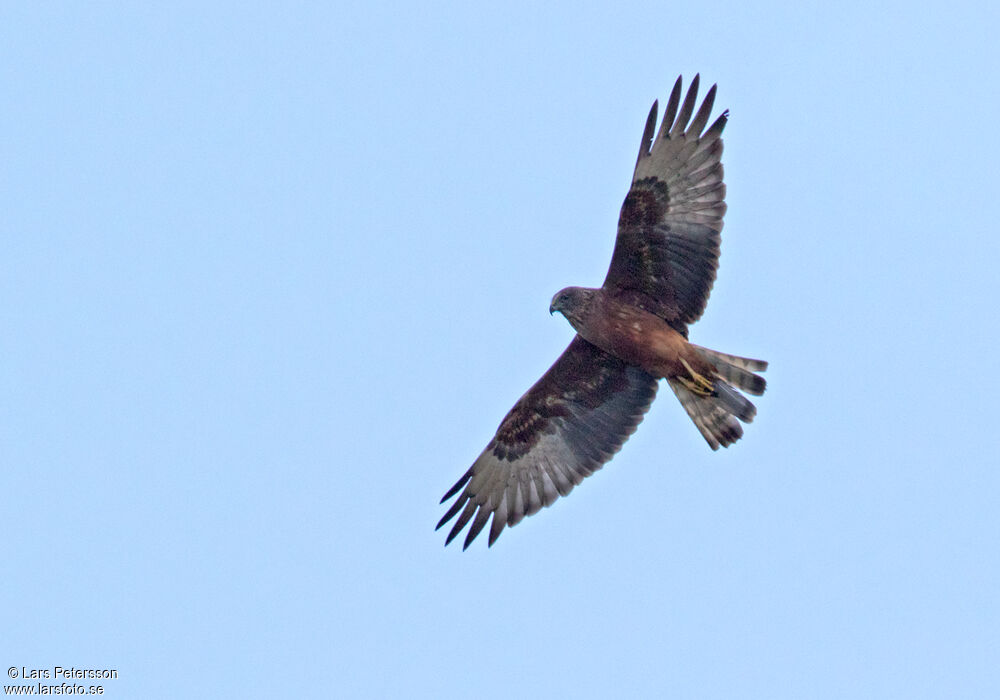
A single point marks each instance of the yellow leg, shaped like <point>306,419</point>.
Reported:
<point>698,384</point>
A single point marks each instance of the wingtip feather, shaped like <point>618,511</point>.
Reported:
<point>647,135</point>
<point>671,110</point>
<point>687,109</point>
<point>457,487</point>
<point>701,118</point>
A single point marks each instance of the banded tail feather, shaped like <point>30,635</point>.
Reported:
<point>715,415</point>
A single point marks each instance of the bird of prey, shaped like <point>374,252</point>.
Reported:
<point>630,333</point>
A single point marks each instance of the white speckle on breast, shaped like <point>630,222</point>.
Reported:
<point>637,326</point>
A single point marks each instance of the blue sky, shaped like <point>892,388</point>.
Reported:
<point>270,278</point>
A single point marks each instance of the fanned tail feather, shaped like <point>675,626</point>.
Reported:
<point>734,402</point>
<point>737,371</point>
<point>716,414</point>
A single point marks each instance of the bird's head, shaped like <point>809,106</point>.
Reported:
<point>571,302</point>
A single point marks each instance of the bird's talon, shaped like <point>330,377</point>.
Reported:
<point>698,384</point>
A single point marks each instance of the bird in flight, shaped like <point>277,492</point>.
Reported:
<point>631,332</point>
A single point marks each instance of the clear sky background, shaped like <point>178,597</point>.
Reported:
<point>270,278</point>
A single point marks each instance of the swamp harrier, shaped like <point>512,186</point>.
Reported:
<point>631,332</point>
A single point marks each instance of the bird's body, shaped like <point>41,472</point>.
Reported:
<point>631,332</point>
<point>634,335</point>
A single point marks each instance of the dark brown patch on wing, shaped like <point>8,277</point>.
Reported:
<point>521,429</point>
<point>563,429</point>
<point>644,205</point>
<point>588,380</point>
<point>640,265</point>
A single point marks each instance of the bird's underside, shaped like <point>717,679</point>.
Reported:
<point>631,332</point>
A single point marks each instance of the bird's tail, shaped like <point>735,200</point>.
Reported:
<point>715,411</point>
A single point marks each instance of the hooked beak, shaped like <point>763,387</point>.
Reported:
<point>553,305</point>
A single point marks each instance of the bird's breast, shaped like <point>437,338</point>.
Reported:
<point>638,338</point>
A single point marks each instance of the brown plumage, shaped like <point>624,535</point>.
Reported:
<point>631,332</point>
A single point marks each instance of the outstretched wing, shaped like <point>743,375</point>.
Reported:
<point>563,429</point>
<point>667,250</point>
